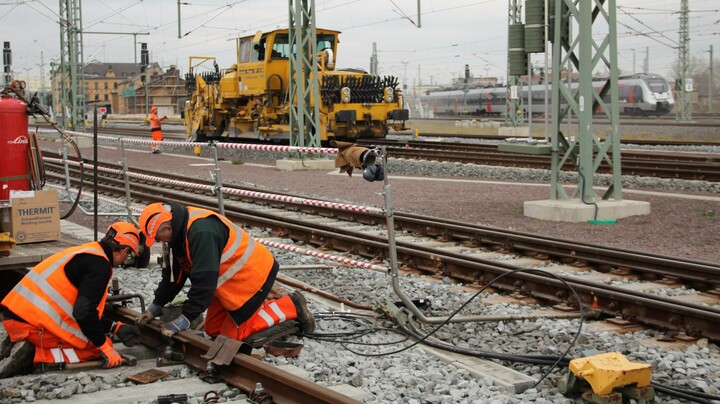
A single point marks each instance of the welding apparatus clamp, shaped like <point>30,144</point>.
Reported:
<point>128,334</point>
<point>179,324</point>
<point>368,158</point>
<point>110,355</point>
<point>152,311</point>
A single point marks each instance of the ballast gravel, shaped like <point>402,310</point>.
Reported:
<point>414,375</point>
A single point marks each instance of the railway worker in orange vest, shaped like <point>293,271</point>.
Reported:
<point>231,276</point>
<point>58,306</point>
<point>156,128</point>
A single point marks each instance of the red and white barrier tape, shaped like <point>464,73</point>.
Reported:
<point>240,192</point>
<point>322,255</point>
<point>229,146</point>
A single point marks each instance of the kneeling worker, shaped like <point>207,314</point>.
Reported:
<point>58,306</point>
<point>231,276</point>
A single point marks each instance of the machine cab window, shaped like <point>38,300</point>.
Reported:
<point>325,41</point>
<point>245,49</point>
<point>258,53</point>
<point>281,47</point>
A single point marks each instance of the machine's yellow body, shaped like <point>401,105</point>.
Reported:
<point>251,99</point>
<point>604,372</point>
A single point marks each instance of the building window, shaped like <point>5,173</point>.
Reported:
<point>106,85</point>
<point>106,97</point>
<point>96,85</point>
<point>115,85</point>
<point>97,97</point>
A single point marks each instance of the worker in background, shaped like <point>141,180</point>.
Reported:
<point>231,276</point>
<point>58,306</point>
<point>156,128</point>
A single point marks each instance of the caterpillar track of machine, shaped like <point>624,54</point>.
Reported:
<point>250,100</point>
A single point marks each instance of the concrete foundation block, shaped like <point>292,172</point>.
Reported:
<point>575,211</point>
<point>512,131</point>
<point>305,165</point>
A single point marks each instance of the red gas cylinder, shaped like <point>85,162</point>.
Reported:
<point>14,168</point>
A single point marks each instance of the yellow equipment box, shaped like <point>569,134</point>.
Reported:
<point>607,371</point>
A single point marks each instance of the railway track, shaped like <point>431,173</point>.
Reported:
<point>699,120</point>
<point>243,371</point>
<point>642,163</point>
<point>687,166</point>
<point>475,254</point>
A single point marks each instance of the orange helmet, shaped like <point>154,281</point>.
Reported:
<point>124,234</point>
<point>151,218</point>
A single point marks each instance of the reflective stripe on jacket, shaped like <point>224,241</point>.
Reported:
<point>45,297</point>
<point>244,264</point>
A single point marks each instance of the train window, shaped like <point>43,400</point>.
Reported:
<point>657,85</point>
<point>245,48</point>
<point>281,47</point>
<point>622,93</point>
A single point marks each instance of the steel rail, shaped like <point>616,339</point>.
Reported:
<point>243,372</point>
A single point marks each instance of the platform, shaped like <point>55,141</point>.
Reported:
<point>575,211</point>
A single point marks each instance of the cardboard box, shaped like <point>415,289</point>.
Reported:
<point>33,216</point>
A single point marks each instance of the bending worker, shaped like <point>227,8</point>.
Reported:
<point>58,306</point>
<point>156,128</point>
<point>231,276</point>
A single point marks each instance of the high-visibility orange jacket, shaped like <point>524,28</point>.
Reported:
<point>45,297</point>
<point>154,121</point>
<point>244,264</point>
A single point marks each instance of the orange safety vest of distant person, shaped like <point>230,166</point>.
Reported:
<point>155,128</point>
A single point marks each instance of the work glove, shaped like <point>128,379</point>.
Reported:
<point>349,156</point>
<point>375,172</point>
<point>152,311</point>
<point>128,334</point>
<point>179,324</point>
<point>110,355</point>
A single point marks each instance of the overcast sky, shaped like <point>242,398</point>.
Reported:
<point>453,32</point>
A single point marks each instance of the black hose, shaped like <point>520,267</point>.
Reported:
<point>82,175</point>
<point>413,331</point>
<point>694,396</point>
<point>582,194</point>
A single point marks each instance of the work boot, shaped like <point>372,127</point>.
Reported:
<point>263,337</point>
<point>304,317</point>
<point>17,358</point>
